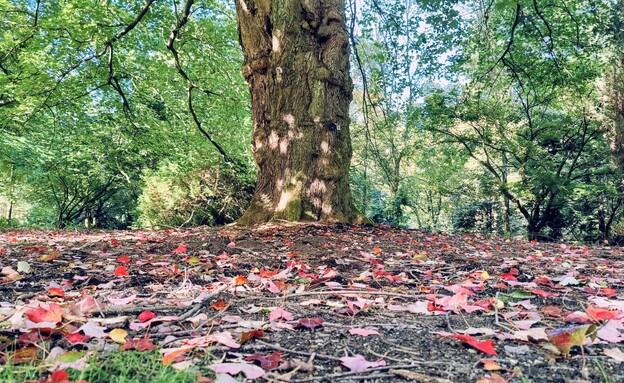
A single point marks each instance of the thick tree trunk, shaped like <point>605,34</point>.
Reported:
<point>297,66</point>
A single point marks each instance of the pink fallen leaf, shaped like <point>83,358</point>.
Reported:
<point>310,323</point>
<point>279,313</point>
<point>615,353</point>
<point>358,363</point>
<point>92,329</point>
<point>363,331</point>
<point>612,331</point>
<point>225,338</point>
<point>122,301</point>
<point>251,371</point>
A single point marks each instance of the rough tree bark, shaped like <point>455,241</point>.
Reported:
<point>297,67</point>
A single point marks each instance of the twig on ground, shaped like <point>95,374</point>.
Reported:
<point>196,307</point>
<point>352,374</point>
<point>496,321</point>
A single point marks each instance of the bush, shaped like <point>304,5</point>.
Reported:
<point>173,196</point>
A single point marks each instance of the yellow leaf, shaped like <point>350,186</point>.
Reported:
<point>485,275</point>
<point>193,260</point>
<point>118,335</point>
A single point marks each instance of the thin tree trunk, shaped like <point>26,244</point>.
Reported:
<point>297,67</point>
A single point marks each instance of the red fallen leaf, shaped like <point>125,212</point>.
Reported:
<point>146,315</point>
<point>50,256</point>
<point>142,344</point>
<point>485,346</point>
<point>175,354</point>
<point>77,337</point>
<point>544,294</point>
<point>53,314</point>
<point>310,323</point>
<point>121,271</point>
<point>607,291</point>
<point>239,280</point>
<point>123,259</point>
<point>566,337</point>
<point>601,314</point>
<point>552,311</point>
<point>180,249</point>
<point>267,362</point>
<point>267,273</point>
<point>219,304</point>
<point>544,281</point>
<point>115,243</point>
<point>249,335</point>
<point>56,292</point>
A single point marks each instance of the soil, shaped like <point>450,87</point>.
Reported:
<point>405,284</point>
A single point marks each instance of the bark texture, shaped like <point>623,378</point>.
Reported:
<point>297,67</point>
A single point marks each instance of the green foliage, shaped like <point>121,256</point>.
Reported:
<point>90,105</point>
<point>175,196</point>
<point>119,367</point>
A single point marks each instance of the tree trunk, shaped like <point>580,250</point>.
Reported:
<point>297,66</point>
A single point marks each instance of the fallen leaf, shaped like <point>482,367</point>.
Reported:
<point>279,313</point>
<point>145,316</point>
<point>485,346</point>
<point>310,323</point>
<point>219,304</point>
<point>118,335</point>
<point>251,371</point>
<point>52,314</point>
<point>141,344</point>
<point>615,353</point>
<point>267,362</point>
<point>23,267</point>
<point>172,355</point>
<point>363,331</point>
<point>490,365</point>
<point>180,249</point>
<point>567,337</point>
<point>249,335</point>
<point>121,271</point>
<point>358,363</point>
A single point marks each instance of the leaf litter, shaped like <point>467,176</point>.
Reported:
<point>305,303</point>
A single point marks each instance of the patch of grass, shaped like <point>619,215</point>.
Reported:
<point>116,367</point>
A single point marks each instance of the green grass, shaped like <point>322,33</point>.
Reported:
<point>116,367</point>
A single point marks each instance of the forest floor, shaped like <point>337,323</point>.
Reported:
<point>312,303</point>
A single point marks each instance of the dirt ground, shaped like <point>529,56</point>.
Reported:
<point>394,305</point>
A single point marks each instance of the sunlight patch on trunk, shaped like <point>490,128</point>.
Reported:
<point>325,147</point>
<point>285,198</point>
<point>273,140</point>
